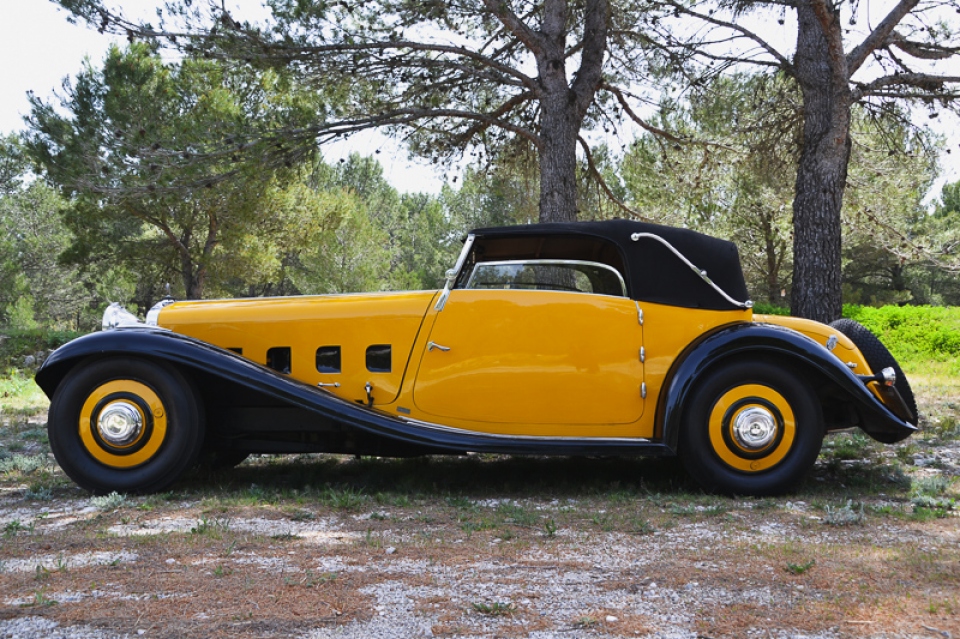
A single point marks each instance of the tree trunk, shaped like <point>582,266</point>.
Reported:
<point>821,71</point>
<point>559,126</point>
<point>563,105</point>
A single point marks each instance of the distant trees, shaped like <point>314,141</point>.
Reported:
<point>122,144</point>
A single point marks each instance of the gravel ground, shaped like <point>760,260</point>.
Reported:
<point>415,572</point>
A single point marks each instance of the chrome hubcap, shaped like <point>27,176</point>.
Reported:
<point>120,423</point>
<point>754,428</point>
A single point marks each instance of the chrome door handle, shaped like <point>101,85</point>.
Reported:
<point>434,345</point>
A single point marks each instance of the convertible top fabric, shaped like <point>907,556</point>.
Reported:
<point>652,272</point>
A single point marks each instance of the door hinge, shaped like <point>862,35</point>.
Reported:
<point>643,390</point>
<point>643,354</point>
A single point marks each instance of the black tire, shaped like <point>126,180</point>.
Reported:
<point>711,450</point>
<point>169,440</point>
<point>878,358</point>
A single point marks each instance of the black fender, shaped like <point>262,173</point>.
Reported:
<point>327,412</point>
<point>777,344</point>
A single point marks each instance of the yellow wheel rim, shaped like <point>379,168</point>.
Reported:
<point>752,428</point>
<point>135,399</point>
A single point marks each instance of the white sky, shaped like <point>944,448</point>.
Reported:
<point>39,48</point>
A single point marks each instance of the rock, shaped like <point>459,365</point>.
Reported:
<point>29,361</point>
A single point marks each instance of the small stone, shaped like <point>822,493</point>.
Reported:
<point>391,550</point>
<point>29,361</point>
<point>170,561</point>
<point>611,619</point>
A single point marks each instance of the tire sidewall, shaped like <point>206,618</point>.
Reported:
<point>177,451</point>
<point>711,471</point>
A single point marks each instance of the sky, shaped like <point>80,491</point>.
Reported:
<point>39,48</point>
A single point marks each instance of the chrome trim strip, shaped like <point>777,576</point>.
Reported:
<point>623,285</point>
<point>462,431</point>
<point>703,274</point>
<point>452,274</point>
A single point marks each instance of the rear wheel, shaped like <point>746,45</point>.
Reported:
<point>751,428</point>
<point>125,424</point>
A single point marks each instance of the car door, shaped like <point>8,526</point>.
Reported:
<point>517,360</point>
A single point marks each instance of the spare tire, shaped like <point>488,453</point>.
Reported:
<point>878,358</point>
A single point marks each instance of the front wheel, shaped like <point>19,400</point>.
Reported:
<point>125,424</point>
<point>751,428</point>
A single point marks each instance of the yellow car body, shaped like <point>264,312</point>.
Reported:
<point>588,338</point>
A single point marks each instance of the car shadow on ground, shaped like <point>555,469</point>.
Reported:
<point>496,477</point>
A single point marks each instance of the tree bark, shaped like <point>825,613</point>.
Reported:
<point>558,157</point>
<point>563,105</point>
<point>821,70</point>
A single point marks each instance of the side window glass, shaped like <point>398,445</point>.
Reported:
<point>548,275</point>
<point>379,358</point>
<point>278,358</point>
<point>328,359</point>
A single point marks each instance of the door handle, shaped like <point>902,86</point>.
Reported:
<point>434,345</point>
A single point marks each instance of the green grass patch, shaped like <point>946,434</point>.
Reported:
<point>915,335</point>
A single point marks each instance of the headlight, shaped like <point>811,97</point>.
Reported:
<point>116,315</point>
<point>153,315</point>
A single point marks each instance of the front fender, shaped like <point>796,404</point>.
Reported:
<point>778,344</point>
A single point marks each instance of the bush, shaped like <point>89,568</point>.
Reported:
<point>913,332</point>
<point>15,344</point>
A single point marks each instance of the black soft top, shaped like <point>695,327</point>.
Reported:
<point>652,271</point>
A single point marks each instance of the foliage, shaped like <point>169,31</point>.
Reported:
<point>16,344</point>
<point>913,333</point>
<point>143,146</point>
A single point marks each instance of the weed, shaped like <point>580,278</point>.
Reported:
<point>211,527</point>
<point>14,527</point>
<point>343,498</point>
<point>372,540</point>
<point>602,521</point>
<point>848,446</point>
<point>799,569</point>
<point>284,537</point>
<point>906,453</point>
<point>38,492</point>
<point>40,599</point>
<point>23,464</point>
<point>517,514</point>
<point>933,486</point>
<point>310,579</point>
<point>495,609</point>
<point>379,516</point>
<point>155,501</point>
<point>846,515</point>
<point>222,571</point>
<point>938,607</point>
<point>302,515</point>
<point>550,528</point>
<point>113,501</point>
<point>641,526</point>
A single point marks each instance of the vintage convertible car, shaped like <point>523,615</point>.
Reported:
<point>592,338</point>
